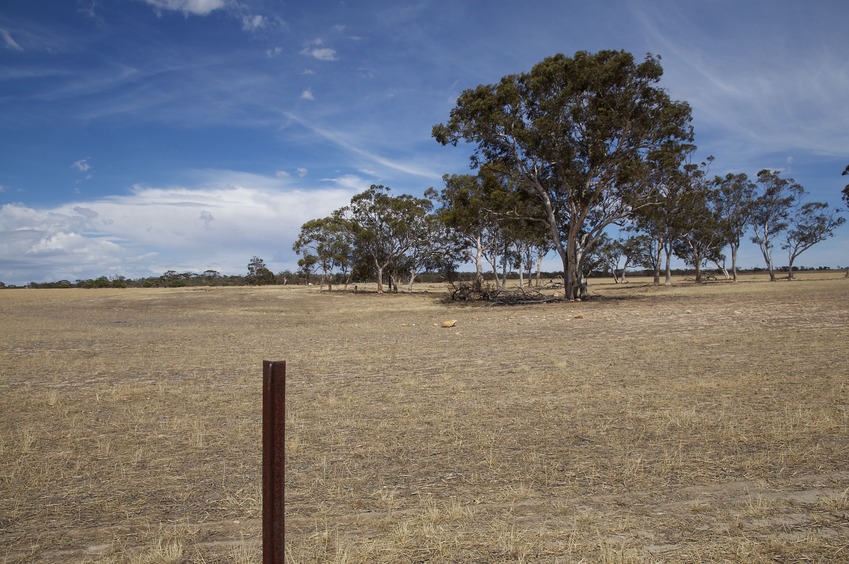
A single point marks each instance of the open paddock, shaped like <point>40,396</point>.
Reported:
<point>659,424</point>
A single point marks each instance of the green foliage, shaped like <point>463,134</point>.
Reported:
<point>258,273</point>
<point>389,231</point>
<point>812,223</point>
<point>701,234</point>
<point>485,219</point>
<point>771,211</point>
<point>734,205</point>
<point>583,135</point>
<point>327,244</point>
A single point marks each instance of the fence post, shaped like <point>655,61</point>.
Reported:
<point>273,460</point>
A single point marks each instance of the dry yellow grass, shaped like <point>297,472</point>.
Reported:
<point>692,423</point>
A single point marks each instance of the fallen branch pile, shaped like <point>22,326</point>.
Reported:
<point>524,296</point>
<point>468,293</point>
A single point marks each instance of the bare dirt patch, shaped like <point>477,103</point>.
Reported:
<point>692,423</point>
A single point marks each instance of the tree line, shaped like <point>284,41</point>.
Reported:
<point>564,154</point>
<point>584,156</point>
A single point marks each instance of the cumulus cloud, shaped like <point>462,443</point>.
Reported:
<point>271,53</point>
<point>302,172</point>
<point>81,165</point>
<point>220,223</point>
<point>316,50</point>
<point>307,95</point>
<point>323,54</point>
<point>193,7</point>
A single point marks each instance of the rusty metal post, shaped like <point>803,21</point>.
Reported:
<point>273,460</point>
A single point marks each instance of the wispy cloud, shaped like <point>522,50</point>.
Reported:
<point>757,98</point>
<point>193,7</point>
<point>88,9</point>
<point>198,91</point>
<point>352,182</point>
<point>341,140</point>
<point>254,22</point>
<point>10,41</point>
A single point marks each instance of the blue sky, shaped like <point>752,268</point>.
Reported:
<point>139,136</point>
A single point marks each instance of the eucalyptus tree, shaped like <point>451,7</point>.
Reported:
<point>582,134</point>
<point>846,188</point>
<point>306,265</point>
<point>258,273</point>
<point>609,254</point>
<point>627,251</point>
<point>468,208</point>
<point>524,236</point>
<point>643,251</point>
<point>812,223</point>
<point>771,209</point>
<point>330,241</point>
<point>666,219</point>
<point>734,200</point>
<point>701,233</point>
<point>530,249</point>
<point>433,247</point>
<point>384,229</point>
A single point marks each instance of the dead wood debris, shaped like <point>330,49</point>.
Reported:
<point>494,296</point>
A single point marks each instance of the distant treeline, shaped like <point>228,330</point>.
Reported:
<point>211,278</point>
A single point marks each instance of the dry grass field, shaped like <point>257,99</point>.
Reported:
<point>685,424</point>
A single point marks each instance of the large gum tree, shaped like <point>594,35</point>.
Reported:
<point>582,134</point>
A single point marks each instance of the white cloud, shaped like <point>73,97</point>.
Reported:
<point>355,146</point>
<point>194,7</point>
<point>81,165</point>
<point>10,41</point>
<point>218,224</point>
<point>281,174</point>
<point>323,54</point>
<point>254,22</point>
<point>352,182</point>
<point>781,96</point>
<point>316,50</point>
<point>307,95</point>
<point>302,172</point>
<point>271,53</point>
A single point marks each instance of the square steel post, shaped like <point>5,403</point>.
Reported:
<point>273,460</point>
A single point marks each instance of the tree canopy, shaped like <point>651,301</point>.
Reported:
<point>582,134</point>
<point>771,211</point>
